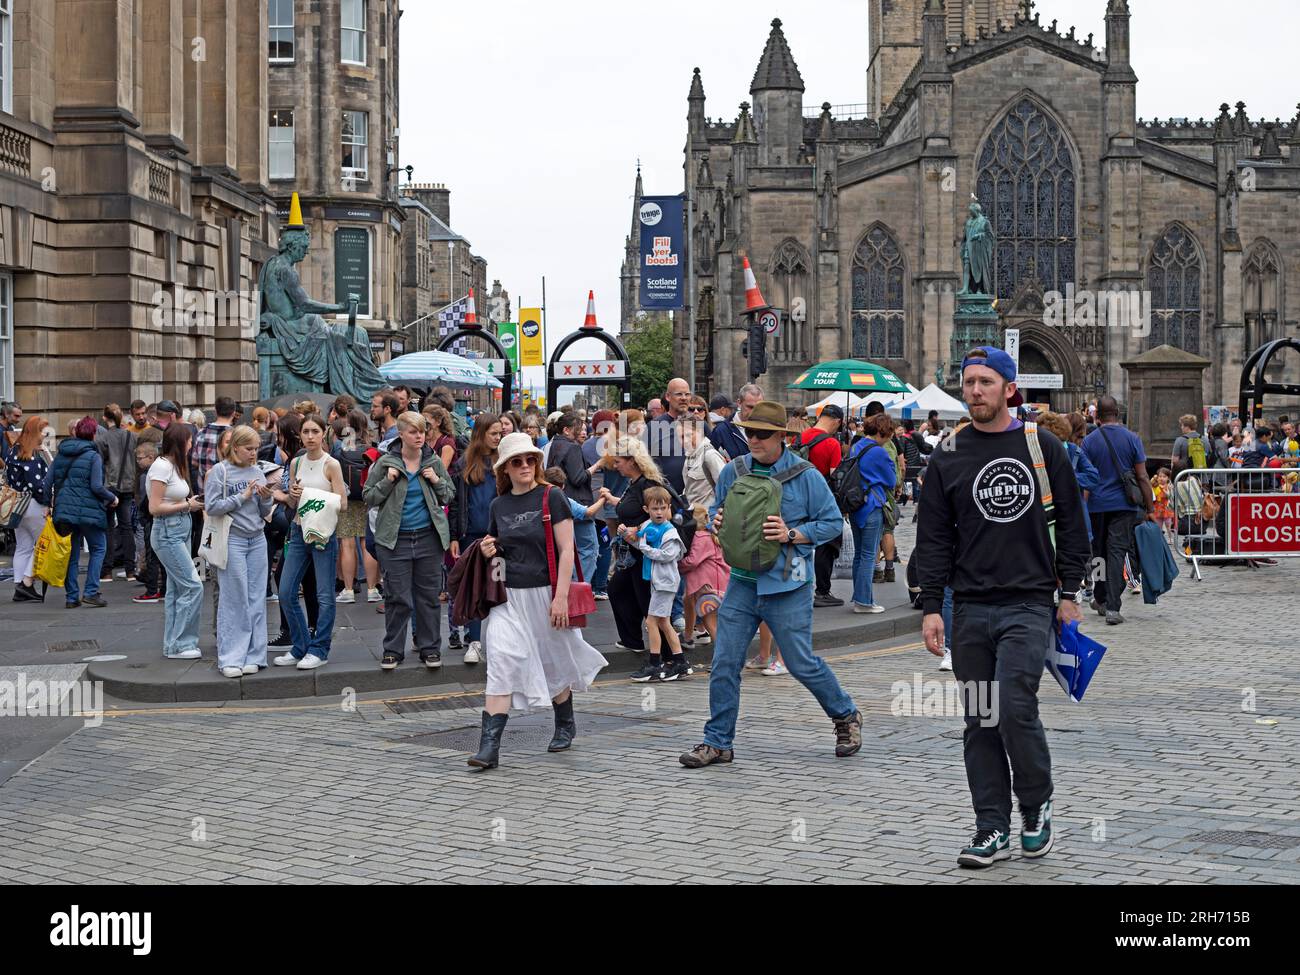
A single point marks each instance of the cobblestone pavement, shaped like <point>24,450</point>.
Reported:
<point>1164,774</point>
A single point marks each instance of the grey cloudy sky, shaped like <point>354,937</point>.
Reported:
<point>535,114</point>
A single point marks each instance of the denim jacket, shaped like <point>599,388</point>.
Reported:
<point>808,506</point>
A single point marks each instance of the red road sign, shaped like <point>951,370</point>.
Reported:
<point>1264,524</point>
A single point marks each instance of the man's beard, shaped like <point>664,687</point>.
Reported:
<point>983,412</point>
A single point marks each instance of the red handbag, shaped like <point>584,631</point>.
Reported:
<point>581,599</point>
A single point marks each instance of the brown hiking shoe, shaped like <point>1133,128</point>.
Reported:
<point>848,734</point>
<point>889,572</point>
<point>702,755</point>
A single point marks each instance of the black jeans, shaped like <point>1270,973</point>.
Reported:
<point>629,597</point>
<point>824,565</point>
<point>1001,650</point>
<point>412,578</point>
<point>1112,539</point>
<point>121,536</point>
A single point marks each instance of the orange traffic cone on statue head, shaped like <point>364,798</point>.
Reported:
<point>471,317</point>
<point>754,302</point>
<point>590,320</point>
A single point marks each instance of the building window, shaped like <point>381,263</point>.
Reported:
<point>353,35</point>
<point>1025,182</point>
<point>6,336</point>
<point>355,156</point>
<point>1261,295</point>
<point>879,314</point>
<point>280,141</point>
<point>6,56</point>
<point>280,30</point>
<point>790,275</point>
<point>1174,280</point>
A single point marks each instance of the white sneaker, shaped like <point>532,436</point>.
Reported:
<point>193,654</point>
<point>285,660</point>
<point>232,671</point>
<point>346,596</point>
<point>946,663</point>
<point>753,663</point>
<point>602,596</point>
<point>250,669</point>
<point>310,662</point>
<point>776,670</point>
<point>373,596</point>
<point>873,608</point>
<point>474,652</point>
<point>120,574</point>
<point>273,597</point>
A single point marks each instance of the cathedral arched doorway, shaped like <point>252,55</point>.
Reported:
<point>1034,362</point>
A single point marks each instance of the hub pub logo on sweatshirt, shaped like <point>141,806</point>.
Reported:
<point>1003,490</point>
<point>74,929</point>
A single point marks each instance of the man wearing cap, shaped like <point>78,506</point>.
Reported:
<point>824,453</point>
<point>721,409</point>
<point>781,597</point>
<point>1001,522</point>
<point>727,436</point>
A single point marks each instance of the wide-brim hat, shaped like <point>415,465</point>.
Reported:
<point>512,445</point>
<point>766,415</point>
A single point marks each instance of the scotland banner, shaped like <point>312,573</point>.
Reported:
<point>663,265</point>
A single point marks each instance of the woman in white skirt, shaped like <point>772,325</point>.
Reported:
<point>533,658</point>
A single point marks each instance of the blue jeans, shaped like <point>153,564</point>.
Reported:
<point>866,541</point>
<point>789,616</point>
<point>600,581</point>
<point>297,554</point>
<point>97,539</point>
<point>170,538</point>
<point>947,617</point>
<point>241,613</point>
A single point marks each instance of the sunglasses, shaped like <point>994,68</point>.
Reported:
<point>526,461</point>
<point>696,409</point>
<point>762,434</point>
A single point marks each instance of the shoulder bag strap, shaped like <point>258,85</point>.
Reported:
<point>550,537</point>
<point>1044,483</point>
<point>1119,470</point>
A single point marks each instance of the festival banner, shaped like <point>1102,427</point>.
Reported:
<point>663,265</point>
<point>530,337</point>
<point>508,336</point>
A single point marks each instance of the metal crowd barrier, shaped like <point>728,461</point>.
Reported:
<point>1258,514</point>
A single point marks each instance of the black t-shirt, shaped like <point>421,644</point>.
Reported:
<point>516,523</point>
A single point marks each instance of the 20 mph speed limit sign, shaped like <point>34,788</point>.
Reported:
<point>771,322</point>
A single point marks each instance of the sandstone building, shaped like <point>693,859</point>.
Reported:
<point>860,212</point>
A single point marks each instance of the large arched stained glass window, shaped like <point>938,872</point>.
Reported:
<point>790,275</point>
<point>878,305</point>
<point>1026,184</point>
<point>1174,281</point>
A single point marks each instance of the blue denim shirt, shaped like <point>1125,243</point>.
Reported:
<point>808,506</point>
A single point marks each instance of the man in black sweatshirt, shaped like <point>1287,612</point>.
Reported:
<point>986,529</point>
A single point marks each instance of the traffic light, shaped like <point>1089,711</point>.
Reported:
<point>756,350</point>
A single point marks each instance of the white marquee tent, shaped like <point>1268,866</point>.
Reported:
<point>930,398</point>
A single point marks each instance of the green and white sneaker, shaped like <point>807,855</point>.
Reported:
<point>1036,830</point>
<point>986,847</point>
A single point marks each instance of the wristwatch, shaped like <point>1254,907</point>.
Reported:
<point>789,535</point>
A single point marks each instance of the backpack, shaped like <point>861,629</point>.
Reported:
<point>356,468</point>
<point>846,481</point>
<point>804,450</point>
<point>1196,452</point>
<point>750,500</point>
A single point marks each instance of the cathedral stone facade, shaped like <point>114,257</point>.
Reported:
<point>861,217</point>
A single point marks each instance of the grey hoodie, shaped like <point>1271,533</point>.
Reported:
<point>224,485</point>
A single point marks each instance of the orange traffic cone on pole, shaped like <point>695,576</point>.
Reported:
<point>590,320</point>
<point>754,302</point>
<point>471,318</point>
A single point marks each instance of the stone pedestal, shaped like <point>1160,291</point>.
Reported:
<point>1163,384</point>
<point>974,323</point>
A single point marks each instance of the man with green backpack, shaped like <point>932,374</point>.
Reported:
<point>772,510</point>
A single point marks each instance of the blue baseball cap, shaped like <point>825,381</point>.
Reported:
<point>1001,363</point>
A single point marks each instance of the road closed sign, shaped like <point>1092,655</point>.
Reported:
<point>1263,524</point>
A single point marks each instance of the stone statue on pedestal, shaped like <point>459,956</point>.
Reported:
<point>977,254</point>
<point>298,350</point>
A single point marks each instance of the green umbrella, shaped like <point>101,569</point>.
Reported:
<point>850,375</point>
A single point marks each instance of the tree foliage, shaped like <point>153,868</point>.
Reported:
<point>650,348</point>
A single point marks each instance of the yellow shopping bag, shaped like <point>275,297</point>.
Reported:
<point>53,552</point>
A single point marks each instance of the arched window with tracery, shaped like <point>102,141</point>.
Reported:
<point>790,266</point>
<point>1174,281</point>
<point>1261,294</point>
<point>1026,184</point>
<point>879,306</point>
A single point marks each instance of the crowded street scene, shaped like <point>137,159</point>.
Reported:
<point>918,506</point>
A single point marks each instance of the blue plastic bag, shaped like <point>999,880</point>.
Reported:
<point>1073,660</point>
